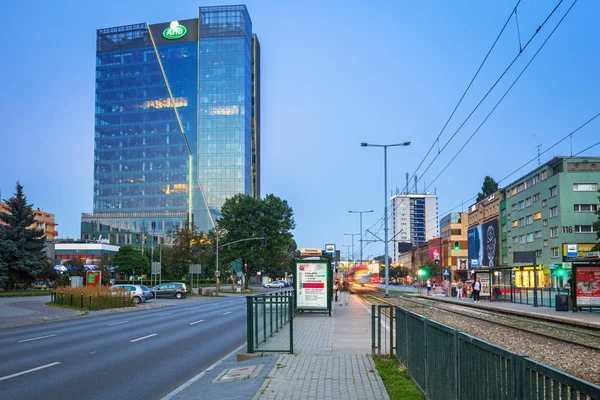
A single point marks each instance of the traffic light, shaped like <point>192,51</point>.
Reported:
<point>560,272</point>
<point>456,245</point>
<point>422,272</point>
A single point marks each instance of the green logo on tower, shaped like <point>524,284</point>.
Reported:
<point>174,31</point>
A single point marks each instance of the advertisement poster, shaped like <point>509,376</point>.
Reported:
<point>312,285</point>
<point>485,285</point>
<point>461,264</point>
<point>93,278</point>
<point>483,241</point>
<point>587,287</point>
<point>434,254</point>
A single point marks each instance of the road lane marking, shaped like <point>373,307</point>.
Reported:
<point>118,323</point>
<point>35,338</point>
<point>228,312</point>
<point>142,338</point>
<point>196,322</point>
<point>167,313</point>
<point>29,370</point>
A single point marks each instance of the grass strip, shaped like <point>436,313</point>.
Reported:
<point>397,380</point>
<point>25,293</point>
<point>51,304</point>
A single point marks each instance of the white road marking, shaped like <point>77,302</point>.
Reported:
<point>118,323</point>
<point>28,371</point>
<point>142,338</point>
<point>35,338</point>
<point>196,322</point>
<point>228,312</point>
<point>201,374</point>
<point>167,313</point>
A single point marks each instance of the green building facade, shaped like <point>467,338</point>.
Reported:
<point>550,211</point>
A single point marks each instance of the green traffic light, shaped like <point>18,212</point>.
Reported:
<point>560,272</point>
<point>456,246</point>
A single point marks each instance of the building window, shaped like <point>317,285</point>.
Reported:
<point>515,240</point>
<point>522,205</point>
<point>536,197</point>
<point>530,237</point>
<point>515,223</point>
<point>544,175</point>
<point>554,232</point>
<point>584,229</point>
<point>585,187</point>
<point>510,249</point>
<point>538,234</point>
<point>529,220</point>
<point>509,233</point>
<point>528,201</point>
<point>553,211</point>
<point>508,216</point>
<point>554,252</point>
<point>538,253</point>
<point>553,191</point>
<point>514,207</point>
<point>544,203</point>
<point>585,207</point>
<point>522,222</point>
<point>504,228</point>
<point>536,179</point>
<point>522,239</point>
<point>546,243</point>
<point>504,260</point>
<point>537,215</point>
<point>545,223</point>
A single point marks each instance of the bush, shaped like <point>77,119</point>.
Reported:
<point>208,292</point>
<point>91,298</point>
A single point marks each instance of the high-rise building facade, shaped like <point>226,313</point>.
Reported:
<point>453,232</point>
<point>177,128</point>
<point>414,221</point>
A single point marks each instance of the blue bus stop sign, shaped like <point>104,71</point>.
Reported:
<point>446,272</point>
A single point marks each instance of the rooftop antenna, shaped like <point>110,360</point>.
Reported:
<point>416,184</point>
<point>538,147</point>
<point>407,180</point>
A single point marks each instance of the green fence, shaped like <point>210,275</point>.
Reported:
<point>268,314</point>
<point>448,364</point>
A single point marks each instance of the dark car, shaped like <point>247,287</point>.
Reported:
<point>176,290</point>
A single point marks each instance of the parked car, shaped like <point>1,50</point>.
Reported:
<point>135,291</point>
<point>147,292</point>
<point>171,289</point>
<point>275,284</point>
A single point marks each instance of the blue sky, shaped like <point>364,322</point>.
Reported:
<point>334,74</point>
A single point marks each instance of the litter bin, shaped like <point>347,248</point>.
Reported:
<point>562,302</point>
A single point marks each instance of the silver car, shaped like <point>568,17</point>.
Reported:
<point>135,291</point>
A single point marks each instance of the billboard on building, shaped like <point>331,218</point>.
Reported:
<point>483,245</point>
<point>434,254</point>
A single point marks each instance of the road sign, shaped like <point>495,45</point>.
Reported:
<point>572,250</point>
<point>310,251</point>
<point>330,248</point>
<point>217,273</point>
<point>195,268</point>
<point>156,268</point>
<point>446,272</point>
<point>592,254</point>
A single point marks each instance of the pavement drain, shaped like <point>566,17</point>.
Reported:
<point>239,373</point>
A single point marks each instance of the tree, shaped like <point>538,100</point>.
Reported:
<point>129,260</point>
<point>244,217</point>
<point>489,186</point>
<point>22,253</point>
<point>189,247</point>
<point>596,226</point>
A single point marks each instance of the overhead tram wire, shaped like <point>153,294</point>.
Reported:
<point>466,90</point>
<point>495,84</point>
<point>533,160</point>
<point>502,98</point>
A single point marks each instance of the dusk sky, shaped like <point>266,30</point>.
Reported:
<point>334,74</point>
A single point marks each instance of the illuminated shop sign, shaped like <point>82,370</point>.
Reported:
<point>174,31</point>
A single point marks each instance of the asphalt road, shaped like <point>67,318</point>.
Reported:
<point>132,355</point>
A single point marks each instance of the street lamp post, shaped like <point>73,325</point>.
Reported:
<point>352,234</point>
<point>385,240</point>
<point>361,231</point>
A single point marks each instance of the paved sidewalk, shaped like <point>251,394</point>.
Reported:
<point>331,361</point>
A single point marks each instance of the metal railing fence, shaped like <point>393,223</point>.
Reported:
<point>267,314</point>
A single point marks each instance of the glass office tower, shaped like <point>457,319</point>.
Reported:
<point>177,127</point>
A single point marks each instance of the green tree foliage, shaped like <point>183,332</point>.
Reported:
<point>74,267</point>
<point>190,246</point>
<point>129,260</point>
<point>596,226</point>
<point>244,217</point>
<point>489,186</point>
<point>22,254</point>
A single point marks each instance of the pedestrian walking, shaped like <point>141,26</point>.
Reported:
<point>476,290</point>
<point>459,289</point>
<point>433,285</point>
<point>428,287</point>
<point>343,287</point>
<point>446,288</point>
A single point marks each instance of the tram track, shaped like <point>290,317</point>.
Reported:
<point>556,331</point>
